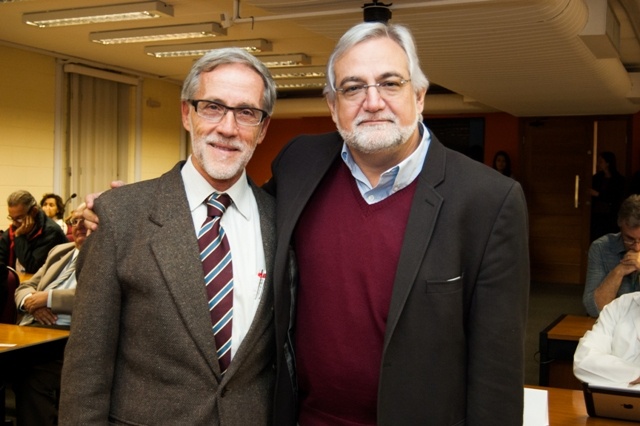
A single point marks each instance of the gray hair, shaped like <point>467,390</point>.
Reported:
<point>371,30</point>
<point>21,198</point>
<point>231,55</point>
<point>629,212</point>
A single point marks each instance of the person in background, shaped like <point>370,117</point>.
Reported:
<point>411,300</point>
<point>53,206</point>
<point>144,345</point>
<point>634,185</point>
<point>46,299</point>
<point>25,245</point>
<point>609,353</point>
<point>614,260</point>
<point>502,163</point>
<point>607,192</point>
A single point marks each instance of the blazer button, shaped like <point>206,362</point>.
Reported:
<point>223,393</point>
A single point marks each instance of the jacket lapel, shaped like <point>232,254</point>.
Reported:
<point>294,202</point>
<point>175,247</point>
<point>425,208</point>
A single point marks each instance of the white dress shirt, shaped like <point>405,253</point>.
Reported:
<point>609,353</point>
<point>241,222</point>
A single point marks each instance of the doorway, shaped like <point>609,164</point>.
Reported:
<point>558,162</point>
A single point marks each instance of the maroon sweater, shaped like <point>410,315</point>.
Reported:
<point>348,253</point>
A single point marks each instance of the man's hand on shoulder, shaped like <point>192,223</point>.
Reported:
<point>85,210</point>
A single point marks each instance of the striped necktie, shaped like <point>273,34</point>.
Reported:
<point>215,255</point>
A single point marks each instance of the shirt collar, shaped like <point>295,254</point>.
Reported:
<point>198,189</point>
<point>400,175</point>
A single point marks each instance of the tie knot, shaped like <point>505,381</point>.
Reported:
<point>217,204</point>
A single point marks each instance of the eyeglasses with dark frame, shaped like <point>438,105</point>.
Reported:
<point>215,111</point>
<point>388,89</point>
<point>21,218</point>
<point>75,221</point>
<point>630,241</point>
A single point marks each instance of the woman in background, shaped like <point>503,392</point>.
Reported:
<point>53,206</point>
<point>502,163</point>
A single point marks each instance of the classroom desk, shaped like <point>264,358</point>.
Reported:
<point>558,342</point>
<point>23,345</point>
<point>566,408</point>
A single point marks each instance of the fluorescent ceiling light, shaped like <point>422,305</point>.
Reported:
<point>300,84</point>
<point>290,60</point>
<point>172,32</point>
<point>98,14</point>
<point>199,49</point>
<point>299,73</point>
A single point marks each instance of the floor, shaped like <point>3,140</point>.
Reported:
<point>546,303</point>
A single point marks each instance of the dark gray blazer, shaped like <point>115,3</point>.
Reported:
<point>454,344</point>
<point>141,350</point>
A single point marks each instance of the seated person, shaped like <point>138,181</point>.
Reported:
<point>24,246</point>
<point>46,300</point>
<point>53,207</point>
<point>609,353</point>
<point>31,235</point>
<point>614,260</point>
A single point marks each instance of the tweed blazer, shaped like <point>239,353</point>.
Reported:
<point>61,300</point>
<point>141,349</point>
<point>453,351</point>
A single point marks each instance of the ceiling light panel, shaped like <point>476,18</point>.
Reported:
<point>172,32</point>
<point>299,73</point>
<point>199,49</point>
<point>281,61</point>
<point>304,84</point>
<point>98,14</point>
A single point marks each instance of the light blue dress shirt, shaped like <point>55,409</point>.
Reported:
<point>605,254</point>
<point>394,179</point>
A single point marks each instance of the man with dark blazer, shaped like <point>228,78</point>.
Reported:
<point>410,302</point>
<point>24,246</point>
<point>141,349</point>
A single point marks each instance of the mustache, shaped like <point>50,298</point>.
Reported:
<point>367,117</point>
<point>233,143</point>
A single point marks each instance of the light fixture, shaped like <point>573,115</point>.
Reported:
<point>171,32</point>
<point>300,84</point>
<point>199,49</point>
<point>98,14</point>
<point>299,73</point>
<point>288,60</point>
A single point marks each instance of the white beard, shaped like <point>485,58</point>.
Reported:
<point>220,168</point>
<point>370,139</point>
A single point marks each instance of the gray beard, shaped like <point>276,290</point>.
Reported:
<point>376,138</point>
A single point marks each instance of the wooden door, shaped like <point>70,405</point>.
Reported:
<point>557,159</point>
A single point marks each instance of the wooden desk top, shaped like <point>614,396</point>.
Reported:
<point>571,327</point>
<point>566,408</point>
<point>13,337</point>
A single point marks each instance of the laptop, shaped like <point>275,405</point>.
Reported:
<point>613,403</point>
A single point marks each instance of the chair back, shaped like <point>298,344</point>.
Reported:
<point>9,312</point>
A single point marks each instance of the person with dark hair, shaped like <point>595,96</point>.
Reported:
<point>614,260</point>
<point>634,185</point>
<point>502,163</point>
<point>607,192</point>
<point>53,206</point>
